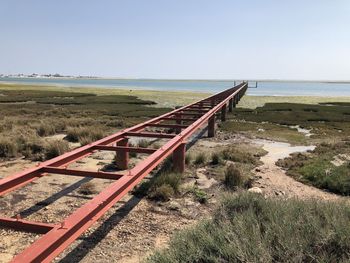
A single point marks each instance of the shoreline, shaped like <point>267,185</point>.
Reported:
<point>187,80</point>
<point>170,98</point>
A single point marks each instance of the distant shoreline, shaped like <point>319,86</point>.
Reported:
<point>189,80</point>
<point>273,88</point>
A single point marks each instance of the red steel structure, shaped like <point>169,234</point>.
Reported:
<point>56,237</point>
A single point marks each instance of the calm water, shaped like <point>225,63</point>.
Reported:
<point>264,88</point>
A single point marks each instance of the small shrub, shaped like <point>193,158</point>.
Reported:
<point>45,130</point>
<point>164,186</point>
<point>167,165</point>
<point>162,192</point>
<point>87,189</point>
<point>200,195</point>
<point>215,159</point>
<point>55,148</point>
<point>73,135</point>
<point>8,148</point>
<point>84,135</point>
<point>237,155</point>
<point>31,147</point>
<point>132,154</point>
<point>234,177</point>
<point>143,143</point>
<point>200,159</point>
<point>188,159</point>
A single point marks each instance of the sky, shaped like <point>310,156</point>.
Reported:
<point>178,39</point>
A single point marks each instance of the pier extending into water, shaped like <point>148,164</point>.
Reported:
<point>176,128</point>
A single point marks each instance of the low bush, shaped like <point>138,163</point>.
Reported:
<point>234,177</point>
<point>239,155</point>
<point>160,187</point>
<point>84,135</point>
<point>200,159</point>
<point>215,159</point>
<point>200,195</point>
<point>55,148</point>
<point>188,159</point>
<point>250,228</point>
<point>45,129</point>
<point>8,148</point>
<point>143,143</point>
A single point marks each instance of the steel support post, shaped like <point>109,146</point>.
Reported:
<point>122,158</point>
<point>179,158</point>
<point>178,121</point>
<point>211,126</point>
<point>223,112</point>
<point>230,105</point>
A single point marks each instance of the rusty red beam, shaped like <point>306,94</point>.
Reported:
<point>128,149</point>
<point>24,225</point>
<point>163,125</point>
<point>59,237</point>
<point>150,135</point>
<point>179,119</point>
<point>99,174</point>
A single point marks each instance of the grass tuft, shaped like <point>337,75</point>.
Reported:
<point>87,189</point>
<point>200,159</point>
<point>8,148</point>
<point>56,148</point>
<point>234,177</point>
<point>215,159</point>
<point>250,228</point>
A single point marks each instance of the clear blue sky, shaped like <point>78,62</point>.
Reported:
<point>289,39</point>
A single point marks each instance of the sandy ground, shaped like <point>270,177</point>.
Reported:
<point>127,233</point>
<point>134,227</point>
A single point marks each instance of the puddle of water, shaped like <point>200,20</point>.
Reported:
<point>280,150</point>
<point>306,132</point>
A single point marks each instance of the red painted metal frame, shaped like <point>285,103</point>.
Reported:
<point>57,237</point>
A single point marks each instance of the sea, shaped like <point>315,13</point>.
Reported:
<point>263,88</point>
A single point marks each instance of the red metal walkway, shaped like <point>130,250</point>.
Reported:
<point>186,121</point>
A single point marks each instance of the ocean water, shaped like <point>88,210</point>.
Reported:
<point>213,86</point>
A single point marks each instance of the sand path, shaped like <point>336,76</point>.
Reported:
<point>273,180</point>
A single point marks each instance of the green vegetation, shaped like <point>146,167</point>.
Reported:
<point>143,143</point>
<point>84,135</point>
<point>28,114</point>
<point>316,168</point>
<point>163,99</point>
<point>7,148</point>
<point>249,228</point>
<point>234,178</point>
<point>55,148</point>
<point>253,102</point>
<point>160,187</point>
<point>188,159</point>
<point>215,158</point>
<point>200,159</point>
<point>200,195</point>
<point>243,154</point>
<point>273,121</point>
